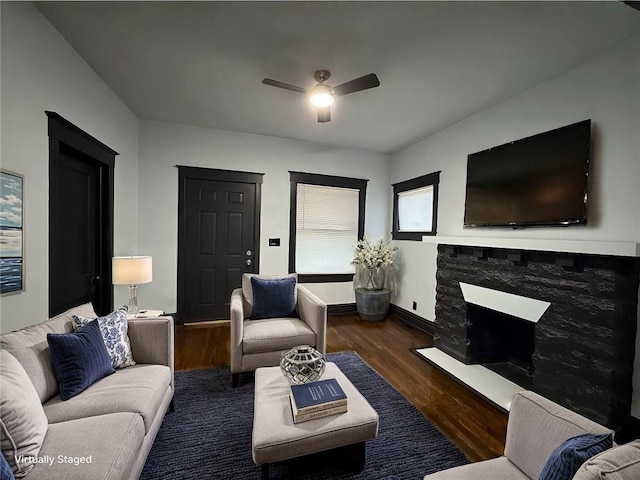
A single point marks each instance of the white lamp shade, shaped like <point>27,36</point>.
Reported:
<point>132,270</point>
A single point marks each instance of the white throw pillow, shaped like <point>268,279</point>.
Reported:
<point>114,328</point>
<point>23,424</point>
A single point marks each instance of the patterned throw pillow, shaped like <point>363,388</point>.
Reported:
<point>566,459</point>
<point>114,328</point>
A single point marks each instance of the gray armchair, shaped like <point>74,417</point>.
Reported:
<point>536,426</point>
<point>260,343</point>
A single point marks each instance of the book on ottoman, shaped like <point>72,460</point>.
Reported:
<point>317,399</point>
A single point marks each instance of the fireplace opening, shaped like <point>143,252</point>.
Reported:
<point>502,343</point>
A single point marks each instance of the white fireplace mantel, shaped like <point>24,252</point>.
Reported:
<point>623,249</point>
<point>526,308</point>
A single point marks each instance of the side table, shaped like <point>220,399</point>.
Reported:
<point>145,314</point>
<point>372,305</point>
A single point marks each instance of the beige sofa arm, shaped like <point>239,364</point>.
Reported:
<point>536,426</point>
<point>237,325</point>
<point>313,312</point>
<point>152,341</point>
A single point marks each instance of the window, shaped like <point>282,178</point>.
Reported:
<point>415,207</point>
<point>327,219</point>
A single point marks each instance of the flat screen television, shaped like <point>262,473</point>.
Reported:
<point>536,181</point>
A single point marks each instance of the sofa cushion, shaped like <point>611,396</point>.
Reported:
<point>23,424</point>
<point>139,389</point>
<point>98,448</point>
<point>618,463</point>
<point>114,333</point>
<point>29,346</point>
<point>565,460</point>
<point>276,334</point>
<point>79,359</point>
<point>273,298</point>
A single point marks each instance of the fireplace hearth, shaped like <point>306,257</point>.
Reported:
<point>580,352</point>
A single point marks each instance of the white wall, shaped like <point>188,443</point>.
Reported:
<point>40,71</point>
<point>164,145</point>
<point>605,89</point>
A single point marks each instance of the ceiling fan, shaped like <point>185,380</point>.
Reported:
<point>322,96</point>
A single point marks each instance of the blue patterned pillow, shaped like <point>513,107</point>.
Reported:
<point>79,359</point>
<point>5,470</point>
<point>567,458</point>
<point>114,328</point>
<point>273,298</point>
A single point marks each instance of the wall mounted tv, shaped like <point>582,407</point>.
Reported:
<point>536,181</point>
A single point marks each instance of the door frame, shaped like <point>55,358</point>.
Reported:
<point>217,175</point>
<point>64,136</point>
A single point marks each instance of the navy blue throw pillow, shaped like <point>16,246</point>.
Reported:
<point>567,458</point>
<point>79,359</point>
<point>5,470</point>
<point>273,298</point>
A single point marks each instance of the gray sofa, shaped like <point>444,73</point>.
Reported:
<point>113,422</point>
<point>536,426</point>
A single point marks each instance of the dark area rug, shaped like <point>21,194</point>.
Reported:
<point>209,434</point>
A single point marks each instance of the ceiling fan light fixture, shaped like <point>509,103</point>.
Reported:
<point>321,96</point>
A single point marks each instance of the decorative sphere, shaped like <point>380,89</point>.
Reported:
<point>302,364</point>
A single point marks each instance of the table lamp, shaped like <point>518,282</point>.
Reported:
<point>132,271</point>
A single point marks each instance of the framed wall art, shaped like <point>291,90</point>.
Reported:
<point>11,232</point>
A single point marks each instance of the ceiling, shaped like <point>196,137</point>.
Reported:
<point>201,63</point>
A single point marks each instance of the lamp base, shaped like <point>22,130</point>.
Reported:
<point>133,299</point>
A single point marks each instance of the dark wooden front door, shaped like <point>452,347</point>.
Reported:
<point>74,262</point>
<point>218,239</point>
<point>80,218</point>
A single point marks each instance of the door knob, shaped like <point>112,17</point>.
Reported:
<point>248,262</point>
<point>249,253</point>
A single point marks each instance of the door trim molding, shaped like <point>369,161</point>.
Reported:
<point>217,175</point>
<point>65,136</point>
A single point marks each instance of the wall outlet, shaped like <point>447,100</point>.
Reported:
<point>415,305</point>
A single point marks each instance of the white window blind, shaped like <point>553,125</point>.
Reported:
<point>415,210</point>
<point>326,229</point>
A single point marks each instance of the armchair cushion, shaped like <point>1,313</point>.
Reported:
<point>273,298</point>
<point>494,469</point>
<point>566,459</point>
<point>276,334</point>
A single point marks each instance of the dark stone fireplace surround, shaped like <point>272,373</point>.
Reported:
<point>585,341</point>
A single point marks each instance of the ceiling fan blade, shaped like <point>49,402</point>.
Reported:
<point>324,114</point>
<point>286,86</point>
<point>362,83</point>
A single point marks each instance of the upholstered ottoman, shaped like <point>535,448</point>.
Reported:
<point>276,437</point>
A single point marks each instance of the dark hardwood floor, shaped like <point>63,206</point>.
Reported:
<point>473,424</point>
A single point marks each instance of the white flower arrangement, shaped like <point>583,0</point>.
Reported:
<point>373,255</point>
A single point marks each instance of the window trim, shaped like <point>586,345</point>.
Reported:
<point>431,179</point>
<point>328,181</point>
